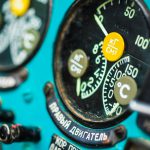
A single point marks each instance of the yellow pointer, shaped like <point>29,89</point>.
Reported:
<point>113,47</point>
<point>19,7</point>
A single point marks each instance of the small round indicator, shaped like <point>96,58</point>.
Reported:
<point>77,63</point>
<point>30,40</point>
<point>113,47</point>
<point>125,90</point>
<point>19,7</point>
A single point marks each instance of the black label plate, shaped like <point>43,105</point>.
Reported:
<point>61,144</point>
<point>77,132</point>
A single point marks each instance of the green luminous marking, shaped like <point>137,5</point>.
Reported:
<point>133,4</point>
<point>93,82</point>
<point>104,4</point>
<point>100,25</point>
<point>78,86</point>
<point>116,105</point>
<point>110,78</point>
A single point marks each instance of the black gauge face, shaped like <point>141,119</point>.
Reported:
<point>21,30</point>
<point>88,90</point>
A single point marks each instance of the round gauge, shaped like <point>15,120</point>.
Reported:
<point>99,43</point>
<point>22,28</point>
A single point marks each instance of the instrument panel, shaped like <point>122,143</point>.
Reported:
<point>62,65</point>
<point>88,88</point>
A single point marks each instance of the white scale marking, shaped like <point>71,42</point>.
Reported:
<point>78,86</point>
<point>100,25</point>
<point>125,60</point>
<point>104,7</point>
<point>112,3</point>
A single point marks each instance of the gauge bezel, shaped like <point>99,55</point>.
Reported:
<point>57,76</point>
<point>12,68</point>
